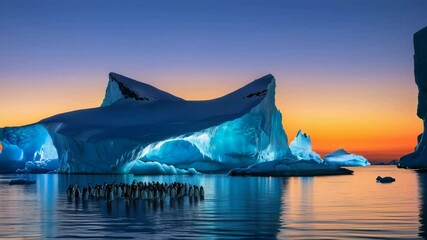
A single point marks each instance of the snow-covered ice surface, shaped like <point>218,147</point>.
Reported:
<point>343,158</point>
<point>418,159</point>
<point>301,147</point>
<point>290,167</point>
<point>140,122</point>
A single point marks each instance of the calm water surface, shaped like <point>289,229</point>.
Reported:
<point>234,207</point>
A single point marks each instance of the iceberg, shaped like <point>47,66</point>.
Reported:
<point>301,147</point>
<point>418,158</point>
<point>343,158</point>
<point>138,123</point>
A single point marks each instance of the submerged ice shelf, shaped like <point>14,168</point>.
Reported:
<point>290,167</point>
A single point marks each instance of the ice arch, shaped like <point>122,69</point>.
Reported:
<point>29,148</point>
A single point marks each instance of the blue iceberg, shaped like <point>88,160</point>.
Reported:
<point>342,158</point>
<point>138,123</point>
<point>301,147</point>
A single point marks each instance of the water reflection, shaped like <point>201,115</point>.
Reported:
<point>234,207</point>
<point>422,185</point>
<point>351,206</point>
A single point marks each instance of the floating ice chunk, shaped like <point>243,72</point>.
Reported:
<point>301,147</point>
<point>343,158</point>
<point>21,181</point>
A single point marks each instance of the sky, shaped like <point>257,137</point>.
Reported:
<point>343,69</point>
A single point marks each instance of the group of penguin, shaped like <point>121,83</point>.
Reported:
<point>136,190</point>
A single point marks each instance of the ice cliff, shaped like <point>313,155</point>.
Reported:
<point>138,123</point>
<point>418,159</point>
<point>343,158</point>
<point>301,147</point>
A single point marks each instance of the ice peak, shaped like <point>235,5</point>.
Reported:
<point>340,151</point>
<point>301,147</point>
<point>300,134</point>
<point>123,88</point>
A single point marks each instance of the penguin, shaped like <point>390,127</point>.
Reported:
<point>150,194</point>
<point>174,190</point>
<point>114,189</point>
<point>190,192</point>
<point>70,192</point>
<point>143,193</point>
<point>170,191</point>
<point>128,191</point>
<point>161,195</point>
<point>139,190</point>
<point>119,191</point>
<point>135,192</point>
<point>109,194</point>
<point>155,193</point>
<point>185,189</point>
<point>89,190</point>
<point>77,193</point>
<point>196,191</point>
<point>202,192</point>
<point>85,194</point>
<point>97,191</point>
<point>102,191</point>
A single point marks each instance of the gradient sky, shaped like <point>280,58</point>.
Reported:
<point>344,69</point>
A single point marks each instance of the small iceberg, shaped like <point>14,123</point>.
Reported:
<point>301,147</point>
<point>290,167</point>
<point>21,181</point>
<point>342,158</point>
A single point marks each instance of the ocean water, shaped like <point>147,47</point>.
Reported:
<point>326,207</point>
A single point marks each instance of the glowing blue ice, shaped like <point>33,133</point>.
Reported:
<point>302,149</point>
<point>30,145</point>
<point>343,158</point>
<point>139,123</point>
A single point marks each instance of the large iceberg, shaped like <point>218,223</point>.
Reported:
<point>138,123</point>
<point>418,159</point>
<point>302,149</point>
<point>342,158</point>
